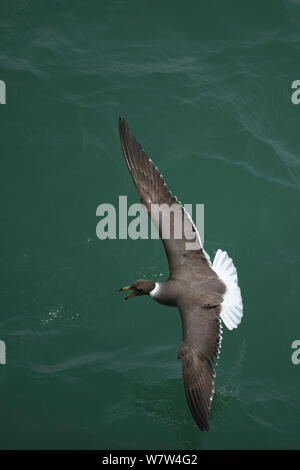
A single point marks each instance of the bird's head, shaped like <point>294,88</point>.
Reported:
<point>140,287</point>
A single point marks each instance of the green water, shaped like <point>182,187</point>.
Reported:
<point>206,87</point>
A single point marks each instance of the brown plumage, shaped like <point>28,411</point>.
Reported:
<point>193,286</point>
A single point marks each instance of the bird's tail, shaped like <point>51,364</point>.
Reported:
<point>232,305</point>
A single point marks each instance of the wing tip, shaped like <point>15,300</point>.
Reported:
<point>200,415</point>
<point>122,123</point>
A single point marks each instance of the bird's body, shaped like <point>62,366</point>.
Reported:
<point>203,292</point>
<point>173,292</point>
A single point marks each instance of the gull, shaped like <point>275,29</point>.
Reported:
<point>205,293</point>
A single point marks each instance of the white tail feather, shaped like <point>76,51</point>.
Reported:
<point>232,305</point>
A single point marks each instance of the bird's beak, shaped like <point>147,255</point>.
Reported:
<point>132,294</point>
<point>124,288</point>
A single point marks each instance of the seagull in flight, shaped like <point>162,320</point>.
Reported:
<point>205,293</point>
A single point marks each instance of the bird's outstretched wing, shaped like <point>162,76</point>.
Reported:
<point>200,346</point>
<point>178,232</point>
